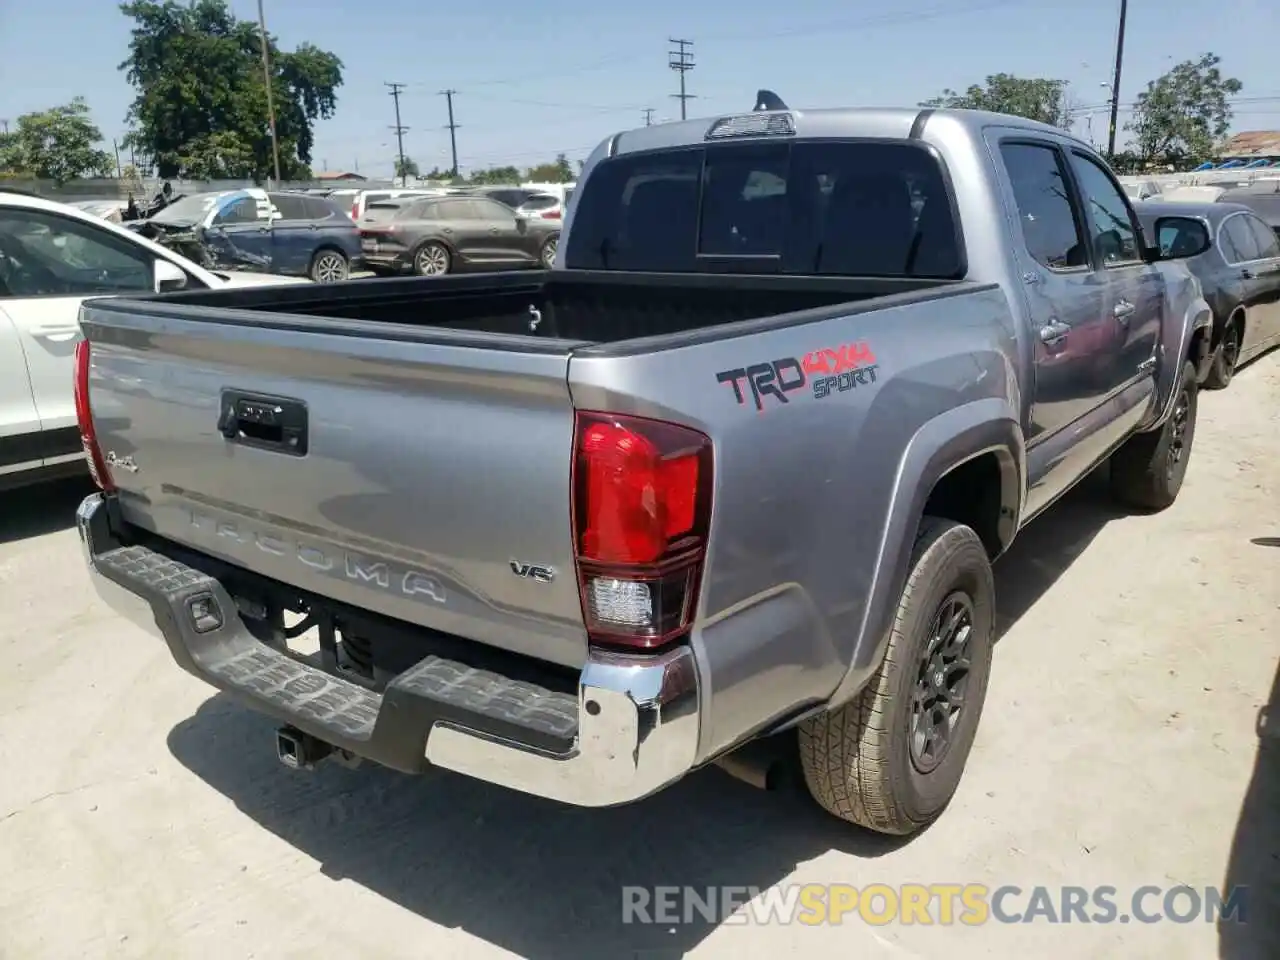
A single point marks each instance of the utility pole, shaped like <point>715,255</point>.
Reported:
<point>5,124</point>
<point>266,76</point>
<point>116,147</point>
<point>1115,83</point>
<point>452,128</point>
<point>400,131</point>
<point>681,61</point>
<point>648,116</point>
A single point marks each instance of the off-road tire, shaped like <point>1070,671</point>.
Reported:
<point>857,760</point>
<point>1223,368</point>
<point>1141,473</point>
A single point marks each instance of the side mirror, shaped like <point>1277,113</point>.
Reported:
<point>169,276</point>
<point>1178,238</point>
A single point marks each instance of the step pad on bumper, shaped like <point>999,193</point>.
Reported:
<point>336,710</point>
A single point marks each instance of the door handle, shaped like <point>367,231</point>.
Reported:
<point>493,230</point>
<point>1051,334</point>
<point>57,333</point>
<point>1123,310</point>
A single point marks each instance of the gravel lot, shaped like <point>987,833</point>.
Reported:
<point>142,815</point>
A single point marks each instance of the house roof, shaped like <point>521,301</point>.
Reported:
<point>339,175</point>
<point>1252,143</point>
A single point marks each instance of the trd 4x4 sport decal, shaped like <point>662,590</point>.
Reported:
<point>824,371</point>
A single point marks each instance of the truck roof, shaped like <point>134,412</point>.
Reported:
<point>895,122</point>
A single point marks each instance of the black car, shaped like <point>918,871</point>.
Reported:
<point>1240,275</point>
<point>436,235</point>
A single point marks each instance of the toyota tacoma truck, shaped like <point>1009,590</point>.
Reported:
<point>737,466</point>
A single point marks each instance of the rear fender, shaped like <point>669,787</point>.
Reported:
<point>947,441</point>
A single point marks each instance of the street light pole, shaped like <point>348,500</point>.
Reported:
<point>266,76</point>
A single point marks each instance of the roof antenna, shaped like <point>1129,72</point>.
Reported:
<point>768,100</point>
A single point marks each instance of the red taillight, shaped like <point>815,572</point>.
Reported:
<point>84,416</point>
<point>355,210</point>
<point>642,509</point>
<point>551,215</point>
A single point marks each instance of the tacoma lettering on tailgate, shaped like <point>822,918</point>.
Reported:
<point>826,371</point>
<point>340,563</point>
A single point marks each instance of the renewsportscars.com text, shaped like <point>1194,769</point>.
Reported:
<point>933,903</point>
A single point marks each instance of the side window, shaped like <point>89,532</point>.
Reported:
<point>1049,226</point>
<point>45,255</point>
<point>456,210</point>
<point>1238,243</point>
<point>244,210</point>
<point>291,207</point>
<point>1115,240</point>
<point>1268,242</point>
<point>492,210</point>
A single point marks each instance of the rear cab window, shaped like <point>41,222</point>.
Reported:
<point>875,208</point>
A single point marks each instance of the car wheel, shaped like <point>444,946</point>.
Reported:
<point>329,266</point>
<point>892,758</point>
<point>1148,470</point>
<point>432,260</point>
<point>548,253</point>
<point>1225,358</point>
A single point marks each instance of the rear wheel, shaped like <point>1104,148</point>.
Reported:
<point>892,758</point>
<point>1225,358</point>
<point>431,260</point>
<point>329,266</point>
<point>1148,470</point>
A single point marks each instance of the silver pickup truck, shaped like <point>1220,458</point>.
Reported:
<point>738,466</point>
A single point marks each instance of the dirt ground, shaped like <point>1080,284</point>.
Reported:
<point>141,815</point>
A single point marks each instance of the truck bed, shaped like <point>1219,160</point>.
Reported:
<point>577,306</point>
<point>423,458</point>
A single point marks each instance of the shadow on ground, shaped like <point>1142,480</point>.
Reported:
<point>1255,850</point>
<point>43,508</point>
<point>543,880</point>
<point>1046,548</point>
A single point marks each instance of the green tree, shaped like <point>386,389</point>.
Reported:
<point>57,144</point>
<point>1181,116</point>
<point>201,100</point>
<point>407,170</point>
<point>495,175</point>
<point>560,171</point>
<point>1035,98</point>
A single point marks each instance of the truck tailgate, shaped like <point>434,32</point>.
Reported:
<point>391,470</point>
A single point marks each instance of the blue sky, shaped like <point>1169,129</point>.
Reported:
<point>535,78</point>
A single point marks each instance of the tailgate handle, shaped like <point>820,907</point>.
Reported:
<point>266,423</point>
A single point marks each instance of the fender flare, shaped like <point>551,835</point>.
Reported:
<point>1198,317</point>
<point>947,441</point>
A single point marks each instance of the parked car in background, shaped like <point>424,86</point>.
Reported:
<point>438,235</point>
<point>292,234</point>
<point>52,257</point>
<point>361,200</point>
<point>1239,273</point>
<point>513,197</point>
<point>542,206</point>
<point>1261,196</point>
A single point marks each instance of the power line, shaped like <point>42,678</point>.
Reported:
<point>400,130</point>
<point>452,128</point>
<point>681,61</point>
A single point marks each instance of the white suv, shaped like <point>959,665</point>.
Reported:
<point>53,257</point>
